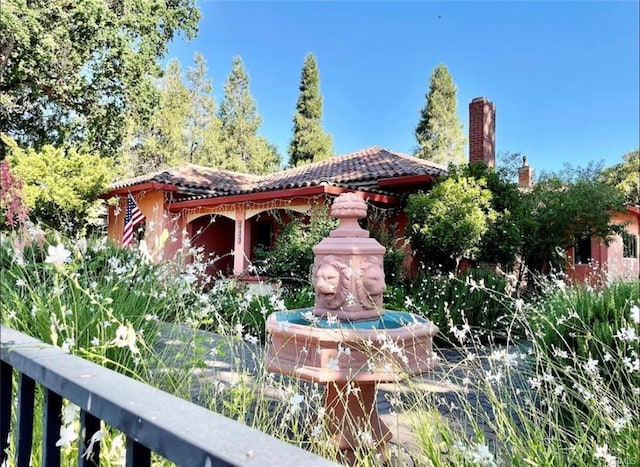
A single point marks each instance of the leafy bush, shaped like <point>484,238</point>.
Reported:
<point>61,187</point>
<point>457,305</point>
<point>291,258</point>
<point>448,223</point>
<point>594,326</point>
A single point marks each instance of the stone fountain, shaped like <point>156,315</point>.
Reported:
<point>348,342</point>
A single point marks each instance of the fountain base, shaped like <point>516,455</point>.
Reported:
<point>349,358</point>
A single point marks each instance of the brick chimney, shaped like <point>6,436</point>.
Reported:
<point>525,175</point>
<point>482,131</point>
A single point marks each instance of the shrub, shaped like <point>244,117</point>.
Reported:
<point>457,305</point>
<point>595,327</point>
<point>291,258</point>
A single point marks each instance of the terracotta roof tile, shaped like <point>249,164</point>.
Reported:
<point>357,170</point>
<point>197,179</point>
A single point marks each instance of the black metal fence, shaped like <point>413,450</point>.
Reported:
<point>152,420</point>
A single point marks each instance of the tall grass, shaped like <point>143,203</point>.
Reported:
<point>560,386</point>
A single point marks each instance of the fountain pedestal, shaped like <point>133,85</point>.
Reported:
<point>348,342</point>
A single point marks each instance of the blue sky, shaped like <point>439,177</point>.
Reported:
<point>564,76</point>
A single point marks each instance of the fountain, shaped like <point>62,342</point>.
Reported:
<point>348,342</point>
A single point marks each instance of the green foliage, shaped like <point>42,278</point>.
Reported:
<point>61,187</point>
<point>447,223</point>
<point>396,248</point>
<point>502,241</point>
<point>243,149</point>
<point>291,258</point>
<point>184,128</point>
<point>624,176</point>
<point>591,346</point>
<point>310,143</point>
<point>585,324</point>
<point>79,305</point>
<point>459,306</point>
<point>79,72</point>
<point>439,131</point>
<point>558,212</point>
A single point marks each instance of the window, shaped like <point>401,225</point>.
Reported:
<point>264,235</point>
<point>582,250</point>
<point>629,245</point>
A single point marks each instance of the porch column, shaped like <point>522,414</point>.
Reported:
<point>242,242</point>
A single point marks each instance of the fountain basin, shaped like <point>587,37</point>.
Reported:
<point>386,349</point>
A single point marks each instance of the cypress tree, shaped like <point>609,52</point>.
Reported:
<point>439,131</point>
<point>243,148</point>
<point>309,143</point>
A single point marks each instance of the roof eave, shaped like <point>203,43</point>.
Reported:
<point>278,194</point>
<point>405,180</point>
<point>137,188</point>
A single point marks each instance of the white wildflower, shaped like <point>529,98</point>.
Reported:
<point>70,413</point>
<point>68,435</point>
<point>96,438</point>
<point>626,334</point>
<point>591,366</point>
<point>366,438</point>
<point>251,339</point>
<point>126,337</point>
<point>57,255</point>
<point>294,402</point>
<point>602,452</point>
<point>635,314</point>
<point>333,364</point>
<point>344,351</point>
<point>68,344</point>
<point>619,424</point>
<point>482,456</point>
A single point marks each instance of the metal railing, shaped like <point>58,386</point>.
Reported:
<point>152,420</point>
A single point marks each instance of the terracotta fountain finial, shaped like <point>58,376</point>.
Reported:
<point>348,273</point>
<point>348,208</point>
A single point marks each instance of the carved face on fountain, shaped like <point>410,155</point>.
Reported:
<point>331,282</point>
<point>371,284</point>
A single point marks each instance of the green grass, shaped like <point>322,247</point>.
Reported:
<point>567,394</point>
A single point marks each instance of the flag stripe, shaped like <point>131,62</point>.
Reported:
<point>133,217</point>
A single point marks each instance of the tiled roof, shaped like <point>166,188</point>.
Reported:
<point>358,170</point>
<point>197,179</point>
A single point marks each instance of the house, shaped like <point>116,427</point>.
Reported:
<point>591,260</point>
<point>230,213</point>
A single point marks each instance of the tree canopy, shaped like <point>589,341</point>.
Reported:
<point>184,127</point>
<point>61,187</point>
<point>243,149</point>
<point>77,73</point>
<point>309,143</point>
<point>439,131</point>
<point>447,223</point>
<point>480,214</point>
<point>626,176</point>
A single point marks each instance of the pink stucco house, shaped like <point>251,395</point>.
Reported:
<point>592,261</point>
<point>229,213</point>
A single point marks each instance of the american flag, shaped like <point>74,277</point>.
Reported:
<point>132,218</point>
